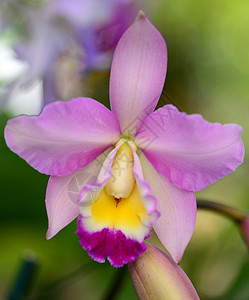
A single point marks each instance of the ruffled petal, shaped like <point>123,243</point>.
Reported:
<point>109,243</point>
<point>113,228</point>
<point>65,137</point>
<point>90,191</point>
<point>191,152</point>
<point>149,201</point>
<point>176,223</point>
<point>63,193</point>
<point>137,74</point>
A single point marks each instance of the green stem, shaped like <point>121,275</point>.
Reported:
<point>115,285</point>
<point>233,213</point>
<point>228,211</point>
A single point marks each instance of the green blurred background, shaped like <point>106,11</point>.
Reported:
<point>208,73</point>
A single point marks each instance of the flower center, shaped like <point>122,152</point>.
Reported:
<point>122,181</point>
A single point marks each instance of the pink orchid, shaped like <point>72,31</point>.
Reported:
<point>141,163</point>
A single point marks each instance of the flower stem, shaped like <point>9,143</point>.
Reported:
<point>228,211</point>
<point>241,218</point>
<point>116,284</point>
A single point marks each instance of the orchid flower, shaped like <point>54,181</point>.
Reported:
<point>141,164</point>
<point>61,32</point>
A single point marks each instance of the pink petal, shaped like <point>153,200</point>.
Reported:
<point>149,201</point>
<point>137,74</point>
<point>176,224</point>
<point>65,137</point>
<point>89,191</point>
<point>60,209</point>
<point>191,152</point>
<point>63,193</point>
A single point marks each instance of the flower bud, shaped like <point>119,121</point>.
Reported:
<point>155,275</point>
